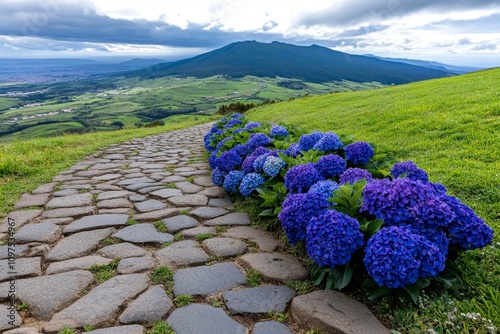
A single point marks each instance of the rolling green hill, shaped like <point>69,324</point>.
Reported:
<point>451,128</point>
<point>313,64</point>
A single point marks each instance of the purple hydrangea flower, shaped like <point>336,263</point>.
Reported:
<point>228,161</point>
<point>232,181</point>
<point>293,150</point>
<point>247,165</point>
<point>296,212</point>
<point>278,131</point>
<point>218,176</point>
<point>396,257</point>
<point>329,142</point>
<point>359,153</point>
<point>467,230</point>
<point>353,175</point>
<point>250,182</point>
<point>307,141</point>
<point>300,178</point>
<point>273,165</point>
<point>332,238</point>
<point>258,163</point>
<point>252,125</point>
<point>256,140</point>
<point>331,165</point>
<point>325,188</point>
<point>411,170</point>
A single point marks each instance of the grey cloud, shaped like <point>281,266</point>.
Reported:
<point>464,41</point>
<point>362,30</point>
<point>485,24</point>
<point>484,46</point>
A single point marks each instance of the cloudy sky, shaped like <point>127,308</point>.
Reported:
<point>464,32</point>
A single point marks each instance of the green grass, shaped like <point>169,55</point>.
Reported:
<point>161,327</point>
<point>26,164</point>
<point>450,128</point>
<point>202,237</point>
<point>104,272</point>
<point>162,275</point>
<point>254,277</point>
<point>183,300</point>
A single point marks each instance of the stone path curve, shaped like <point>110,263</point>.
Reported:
<point>136,209</point>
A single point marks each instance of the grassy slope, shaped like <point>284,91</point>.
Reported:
<point>26,164</point>
<point>450,127</point>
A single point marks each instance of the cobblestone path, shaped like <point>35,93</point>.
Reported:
<point>130,212</point>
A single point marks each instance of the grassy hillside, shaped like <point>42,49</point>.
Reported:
<point>450,127</point>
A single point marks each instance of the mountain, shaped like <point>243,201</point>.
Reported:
<point>140,62</point>
<point>312,63</point>
<point>432,64</point>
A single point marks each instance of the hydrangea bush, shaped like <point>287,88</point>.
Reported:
<point>358,213</point>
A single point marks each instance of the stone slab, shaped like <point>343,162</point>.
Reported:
<point>265,241</point>
<point>150,307</point>
<point>166,193</point>
<point>213,192</point>
<point>234,218</point>
<point>44,188</point>
<point>9,318</point>
<point>42,232</point>
<point>180,222</point>
<point>143,233</point>
<point>114,203</point>
<point>189,200</point>
<point>181,253</point>
<point>113,194</point>
<point>260,299</point>
<point>69,212</point>
<point>207,212</point>
<point>22,267</point>
<point>130,329</point>
<point>122,250</point>
<point>17,251</point>
<point>188,187</point>
<point>225,203</point>
<point>204,181</point>
<point>78,244</point>
<point>224,247</point>
<point>18,219</point>
<point>71,201</point>
<point>333,312</point>
<point>268,327</point>
<point>275,266</point>
<point>76,264</point>
<point>28,200</point>
<point>134,265</point>
<point>193,232</point>
<point>160,214</point>
<point>96,221</point>
<point>149,205</point>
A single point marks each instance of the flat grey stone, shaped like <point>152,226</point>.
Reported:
<point>23,330</point>
<point>333,312</point>
<point>225,203</point>
<point>107,187</point>
<point>204,181</point>
<point>133,175</point>
<point>224,246</point>
<point>150,205</point>
<point>137,198</point>
<point>114,156</point>
<point>181,253</point>
<point>179,222</point>
<point>205,280</point>
<point>78,244</point>
<point>28,200</point>
<point>213,192</point>
<point>9,318</point>
<point>275,266</point>
<point>113,194</point>
<point>173,179</point>
<point>23,267</point>
<point>58,221</point>
<point>265,241</point>
<point>82,187</point>
<point>158,176</point>
<point>234,218</point>
<point>261,299</point>
<point>69,212</point>
<point>143,233</point>
<point>18,219</point>
<point>96,221</point>
<point>203,319</point>
<point>46,295</point>
<point>42,232</point>
<point>137,164</point>
<point>130,329</point>
<point>106,166</point>
<point>268,327</point>
<point>132,265</point>
<point>189,200</point>
<point>122,250</point>
<point>160,214</point>
<point>44,188</point>
<point>101,305</point>
<point>153,166</point>
<point>184,169</point>
<point>188,187</point>
<point>196,172</point>
<point>107,177</point>
<point>150,189</point>
<point>148,308</point>
<point>193,232</point>
<point>65,192</point>
<point>91,172</point>
<point>207,212</point>
<point>140,186</point>
<point>114,203</point>
<point>120,211</point>
<point>71,201</point>
<point>166,193</point>
<point>19,251</point>
<point>75,264</point>
<point>140,180</point>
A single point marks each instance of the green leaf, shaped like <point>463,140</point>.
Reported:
<point>370,228</point>
<point>447,277</point>
<point>410,293</point>
<point>374,291</point>
<point>267,213</point>
<point>342,275</point>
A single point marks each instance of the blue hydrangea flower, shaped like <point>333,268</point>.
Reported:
<point>250,182</point>
<point>240,130</point>
<point>208,142</point>
<point>411,170</point>
<point>273,165</point>
<point>228,161</point>
<point>307,141</point>
<point>232,123</point>
<point>293,150</point>
<point>332,238</point>
<point>300,178</point>
<point>241,149</point>
<point>222,142</point>
<point>247,165</point>
<point>237,116</point>
<point>329,142</point>
<point>296,212</point>
<point>218,177</point>
<point>331,165</point>
<point>278,131</point>
<point>232,181</point>
<point>325,188</point>
<point>467,230</point>
<point>396,257</point>
<point>258,163</point>
<point>436,236</point>
<point>256,140</point>
<point>359,153</point>
<point>213,159</point>
<point>252,125</point>
<point>353,175</point>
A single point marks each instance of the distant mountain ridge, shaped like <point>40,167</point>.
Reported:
<point>312,63</point>
<point>432,64</point>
